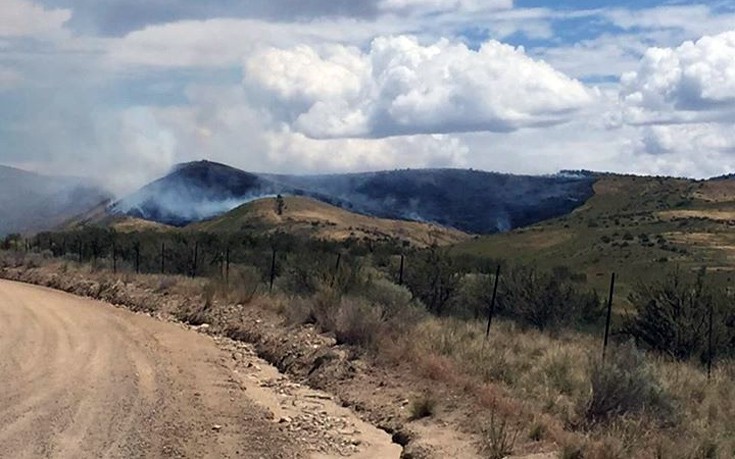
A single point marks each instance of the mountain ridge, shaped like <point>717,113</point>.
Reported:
<point>31,202</point>
<point>468,200</point>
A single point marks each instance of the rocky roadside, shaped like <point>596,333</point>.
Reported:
<point>331,396</point>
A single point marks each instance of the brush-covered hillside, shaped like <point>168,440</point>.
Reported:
<point>194,192</point>
<point>100,216</point>
<point>308,217</point>
<point>468,200</point>
<point>32,202</point>
<point>636,226</point>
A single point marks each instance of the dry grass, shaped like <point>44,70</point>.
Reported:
<point>716,191</point>
<point>498,436</point>
<point>308,217</point>
<point>716,215</point>
<point>535,386</point>
<point>544,382</point>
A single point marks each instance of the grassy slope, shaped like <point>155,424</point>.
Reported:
<point>121,223</point>
<point>635,226</point>
<point>308,217</point>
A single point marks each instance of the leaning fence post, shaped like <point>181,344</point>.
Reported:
<point>491,312</point>
<point>81,253</point>
<point>609,316</point>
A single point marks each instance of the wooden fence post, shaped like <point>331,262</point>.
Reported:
<point>163,257</point>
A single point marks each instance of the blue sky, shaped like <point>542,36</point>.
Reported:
<point>123,89</point>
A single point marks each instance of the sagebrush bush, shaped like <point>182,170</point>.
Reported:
<point>498,436</point>
<point>423,406</point>
<point>194,313</point>
<point>352,320</point>
<point>672,317</point>
<point>358,323</point>
<point>399,310</point>
<point>545,300</point>
<point>166,283</point>
<point>433,278</point>
<point>393,298</point>
<point>623,384</point>
<point>473,296</point>
<point>559,372</point>
<point>244,284</point>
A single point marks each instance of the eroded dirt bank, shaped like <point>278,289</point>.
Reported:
<point>84,379</point>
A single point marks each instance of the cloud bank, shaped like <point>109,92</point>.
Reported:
<point>690,83</point>
<point>400,87</point>
<point>121,90</point>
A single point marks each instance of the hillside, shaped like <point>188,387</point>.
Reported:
<point>32,202</point>
<point>468,200</point>
<point>102,217</point>
<point>637,226</point>
<point>312,218</point>
<point>194,192</point>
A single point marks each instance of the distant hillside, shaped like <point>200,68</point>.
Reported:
<point>311,218</point>
<point>471,201</point>
<point>102,217</point>
<point>636,226</point>
<point>196,191</point>
<point>31,202</point>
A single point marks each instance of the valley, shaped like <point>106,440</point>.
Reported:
<point>390,315</point>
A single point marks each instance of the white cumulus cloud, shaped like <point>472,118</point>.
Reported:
<point>698,150</point>
<point>694,82</point>
<point>20,18</point>
<point>401,87</point>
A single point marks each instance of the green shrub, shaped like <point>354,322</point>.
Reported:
<point>433,277</point>
<point>672,317</point>
<point>358,323</point>
<point>622,385</point>
<point>244,284</point>
<point>544,300</point>
<point>473,295</point>
<point>537,432</point>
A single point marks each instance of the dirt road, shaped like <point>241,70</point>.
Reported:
<point>83,379</point>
